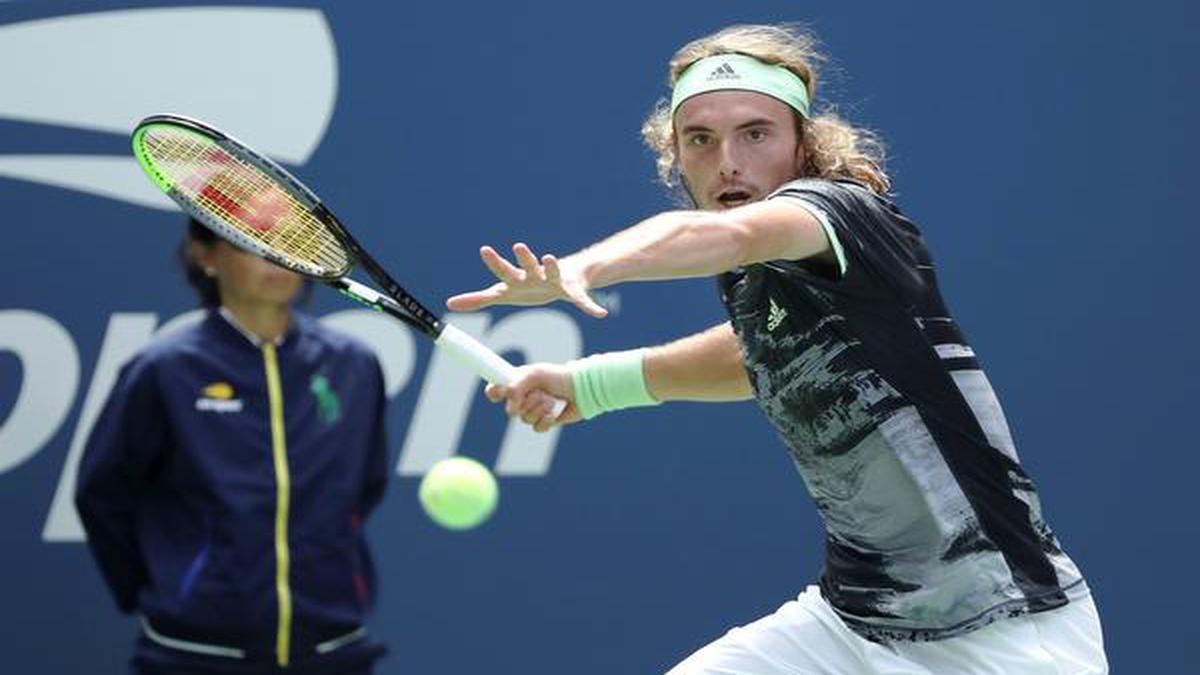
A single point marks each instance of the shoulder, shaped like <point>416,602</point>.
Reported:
<point>165,358</point>
<point>834,192</point>
<point>165,349</point>
<point>332,340</point>
<point>851,206</point>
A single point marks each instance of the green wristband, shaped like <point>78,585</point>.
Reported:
<point>612,381</point>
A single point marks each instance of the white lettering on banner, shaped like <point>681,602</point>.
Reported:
<point>50,375</point>
<point>50,381</point>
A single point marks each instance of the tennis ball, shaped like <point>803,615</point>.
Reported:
<point>458,493</point>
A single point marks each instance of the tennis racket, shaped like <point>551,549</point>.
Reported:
<point>256,205</point>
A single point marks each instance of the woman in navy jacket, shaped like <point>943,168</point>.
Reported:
<point>226,482</point>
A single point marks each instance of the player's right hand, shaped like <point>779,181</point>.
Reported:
<point>533,394</point>
<point>535,282</point>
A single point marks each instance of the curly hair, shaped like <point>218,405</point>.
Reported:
<point>833,148</point>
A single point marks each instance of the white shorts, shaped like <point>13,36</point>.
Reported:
<point>806,637</point>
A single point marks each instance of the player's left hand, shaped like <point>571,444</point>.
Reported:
<point>534,282</point>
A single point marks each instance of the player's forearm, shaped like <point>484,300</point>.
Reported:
<point>703,367</point>
<point>670,245</point>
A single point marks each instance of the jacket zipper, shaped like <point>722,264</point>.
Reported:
<point>283,590</point>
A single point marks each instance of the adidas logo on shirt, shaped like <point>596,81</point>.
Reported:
<point>218,397</point>
<point>776,316</point>
<point>723,72</point>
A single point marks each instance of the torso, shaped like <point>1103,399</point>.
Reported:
<point>933,529</point>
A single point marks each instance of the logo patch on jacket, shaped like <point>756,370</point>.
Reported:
<point>776,316</point>
<point>329,407</point>
<point>218,397</point>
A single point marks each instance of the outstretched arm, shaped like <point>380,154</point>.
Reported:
<point>678,244</point>
<point>702,367</point>
<point>670,245</point>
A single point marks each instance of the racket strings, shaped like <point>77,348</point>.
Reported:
<point>244,198</point>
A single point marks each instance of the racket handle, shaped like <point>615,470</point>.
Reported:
<point>483,361</point>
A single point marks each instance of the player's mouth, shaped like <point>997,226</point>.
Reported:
<point>734,197</point>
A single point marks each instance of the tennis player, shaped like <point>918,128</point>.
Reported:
<point>938,557</point>
<point>225,486</point>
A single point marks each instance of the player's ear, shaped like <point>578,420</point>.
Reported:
<point>801,155</point>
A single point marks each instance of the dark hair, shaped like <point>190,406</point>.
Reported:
<point>204,285</point>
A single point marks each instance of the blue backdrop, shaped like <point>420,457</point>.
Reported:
<point>1046,148</point>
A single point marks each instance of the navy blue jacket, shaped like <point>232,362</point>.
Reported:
<point>212,524</point>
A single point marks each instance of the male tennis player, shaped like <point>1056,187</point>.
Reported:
<point>938,559</point>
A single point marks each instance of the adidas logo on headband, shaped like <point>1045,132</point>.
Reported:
<point>723,72</point>
<point>744,73</point>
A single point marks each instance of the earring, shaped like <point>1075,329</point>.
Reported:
<point>210,272</point>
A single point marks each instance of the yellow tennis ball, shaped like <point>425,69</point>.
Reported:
<point>458,493</point>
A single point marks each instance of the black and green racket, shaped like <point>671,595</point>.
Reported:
<point>258,206</point>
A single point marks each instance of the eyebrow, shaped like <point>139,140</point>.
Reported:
<point>756,122</point>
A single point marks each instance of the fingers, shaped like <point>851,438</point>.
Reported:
<point>506,271</point>
<point>495,392</point>
<point>537,407</point>
<point>529,263</point>
<point>469,302</point>
<point>544,424</point>
<point>543,414</point>
<point>553,272</point>
<point>569,415</point>
<point>534,282</point>
<point>502,268</point>
<point>508,274</point>
<point>531,404</point>
<point>550,420</point>
<point>464,302</point>
<point>589,306</point>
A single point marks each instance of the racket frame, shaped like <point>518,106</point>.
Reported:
<point>394,299</point>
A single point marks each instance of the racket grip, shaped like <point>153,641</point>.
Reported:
<point>483,361</point>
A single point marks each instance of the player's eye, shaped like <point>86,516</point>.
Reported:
<point>699,140</point>
<point>756,135</point>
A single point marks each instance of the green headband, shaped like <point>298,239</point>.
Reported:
<point>738,71</point>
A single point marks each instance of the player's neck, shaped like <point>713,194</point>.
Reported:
<point>267,321</point>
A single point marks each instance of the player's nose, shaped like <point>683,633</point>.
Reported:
<point>728,164</point>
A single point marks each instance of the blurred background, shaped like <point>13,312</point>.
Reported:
<point>1047,149</point>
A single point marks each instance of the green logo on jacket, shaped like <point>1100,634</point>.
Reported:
<point>328,405</point>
